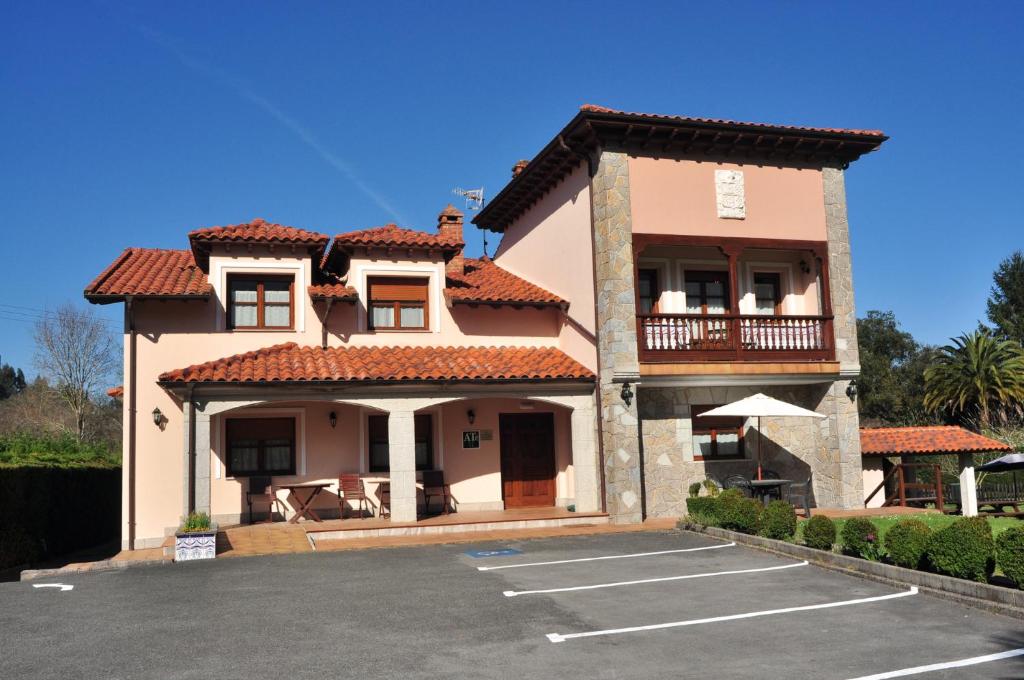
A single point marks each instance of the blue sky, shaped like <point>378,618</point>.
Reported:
<point>132,123</point>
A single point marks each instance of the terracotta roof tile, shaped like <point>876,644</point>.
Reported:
<point>895,441</point>
<point>258,231</point>
<point>487,283</point>
<point>333,291</point>
<point>291,363</point>
<point>593,108</point>
<point>393,235</point>
<point>150,271</point>
<point>116,392</point>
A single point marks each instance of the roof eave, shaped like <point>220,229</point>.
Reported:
<point>109,298</point>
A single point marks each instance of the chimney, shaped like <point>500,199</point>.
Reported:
<point>449,227</point>
<point>518,168</point>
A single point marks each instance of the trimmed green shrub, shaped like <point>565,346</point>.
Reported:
<point>907,541</point>
<point>964,549</point>
<point>1010,554</point>
<point>820,533</point>
<point>195,522</point>
<point>739,513</point>
<point>711,488</point>
<point>705,506</point>
<point>860,538</point>
<point>778,521</point>
<point>695,489</point>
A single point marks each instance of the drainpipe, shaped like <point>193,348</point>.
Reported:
<point>191,449</point>
<point>129,313</point>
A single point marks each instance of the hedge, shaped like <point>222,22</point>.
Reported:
<point>736,512</point>
<point>1010,554</point>
<point>51,511</point>
<point>964,549</point>
<point>778,521</point>
<point>906,543</point>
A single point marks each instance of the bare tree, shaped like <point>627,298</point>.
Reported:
<point>77,351</point>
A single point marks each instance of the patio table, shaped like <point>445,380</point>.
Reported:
<point>764,487</point>
<point>304,509</point>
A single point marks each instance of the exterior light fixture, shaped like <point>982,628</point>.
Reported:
<point>333,417</point>
<point>158,416</point>
<point>471,416</point>
<point>626,394</point>
<point>851,390</point>
<point>804,267</point>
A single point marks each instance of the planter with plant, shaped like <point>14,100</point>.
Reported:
<point>197,539</point>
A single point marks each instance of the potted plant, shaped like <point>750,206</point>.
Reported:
<point>197,538</point>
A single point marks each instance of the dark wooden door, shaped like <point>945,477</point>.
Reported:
<point>527,459</point>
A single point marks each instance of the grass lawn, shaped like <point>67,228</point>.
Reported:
<point>933,520</point>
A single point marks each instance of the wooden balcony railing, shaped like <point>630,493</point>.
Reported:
<point>731,337</point>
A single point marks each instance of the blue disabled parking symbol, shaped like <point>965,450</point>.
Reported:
<point>501,552</point>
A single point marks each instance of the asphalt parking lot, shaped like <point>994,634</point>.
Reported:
<point>637,605</point>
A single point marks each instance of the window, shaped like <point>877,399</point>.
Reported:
<point>707,292</point>
<point>716,438</point>
<point>260,301</point>
<point>768,294</point>
<point>378,429</point>
<point>260,446</point>
<point>648,291</point>
<point>398,303</point>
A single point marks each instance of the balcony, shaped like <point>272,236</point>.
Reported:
<point>706,299</point>
<point>734,337</point>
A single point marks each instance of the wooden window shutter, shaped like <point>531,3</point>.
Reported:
<point>398,289</point>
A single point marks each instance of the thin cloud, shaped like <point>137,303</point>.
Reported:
<point>286,121</point>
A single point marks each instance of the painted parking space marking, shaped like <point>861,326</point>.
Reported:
<point>63,586</point>
<point>607,557</point>
<point>562,637</point>
<point>961,663</point>
<point>514,593</point>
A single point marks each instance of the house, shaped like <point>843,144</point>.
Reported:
<point>650,268</point>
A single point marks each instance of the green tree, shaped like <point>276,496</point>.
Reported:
<point>977,373</point>
<point>1006,300</point>
<point>12,381</point>
<point>891,383</point>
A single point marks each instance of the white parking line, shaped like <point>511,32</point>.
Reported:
<point>514,593</point>
<point>943,666</point>
<point>559,637</point>
<point>607,557</point>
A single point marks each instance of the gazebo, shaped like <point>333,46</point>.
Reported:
<point>912,445</point>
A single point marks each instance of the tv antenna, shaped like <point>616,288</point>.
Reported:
<point>474,201</point>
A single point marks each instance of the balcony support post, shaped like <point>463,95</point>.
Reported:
<point>732,255</point>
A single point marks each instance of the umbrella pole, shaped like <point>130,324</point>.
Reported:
<point>760,442</point>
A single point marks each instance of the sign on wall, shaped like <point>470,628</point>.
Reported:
<point>471,439</point>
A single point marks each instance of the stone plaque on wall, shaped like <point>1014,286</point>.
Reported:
<point>729,194</point>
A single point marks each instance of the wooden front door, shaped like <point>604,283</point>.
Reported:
<point>527,459</point>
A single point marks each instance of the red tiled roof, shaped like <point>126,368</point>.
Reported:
<point>258,231</point>
<point>116,392</point>
<point>594,108</point>
<point>896,441</point>
<point>333,291</point>
<point>393,235</point>
<point>291,363</point>
<point>150,271</point>
<point>485,282</point>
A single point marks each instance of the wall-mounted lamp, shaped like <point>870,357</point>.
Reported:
<point>333,417</point>
<point>626,394</point>
<point>851,390</point>
<point>158,416</point>
<point>804,267</point>
<point>471,416</point>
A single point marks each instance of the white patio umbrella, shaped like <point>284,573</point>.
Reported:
<point>761,405</point>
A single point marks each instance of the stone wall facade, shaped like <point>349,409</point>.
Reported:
<point>792,447</point>
<point>616,332</point>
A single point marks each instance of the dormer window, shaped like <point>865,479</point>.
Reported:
<point>398,303</point>
<point>259,301</point>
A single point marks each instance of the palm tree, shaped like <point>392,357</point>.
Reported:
<point>978,371</point>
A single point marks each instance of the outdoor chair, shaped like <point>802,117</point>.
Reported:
<point>261,490</point>
<point>434,485</point>
<point>352,490</point>
<point>775,493</point>
<point>737,482</point>
<point>801,492</point>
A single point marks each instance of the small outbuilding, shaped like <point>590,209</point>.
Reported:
<point>890,483</point>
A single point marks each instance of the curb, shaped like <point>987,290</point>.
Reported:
<point>88,567</point>
<point>990,598</point>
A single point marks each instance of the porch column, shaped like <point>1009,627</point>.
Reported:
<point>968,486</point>
<point>584,455</point>
<point>202,480</point>
<point>402,464</point>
